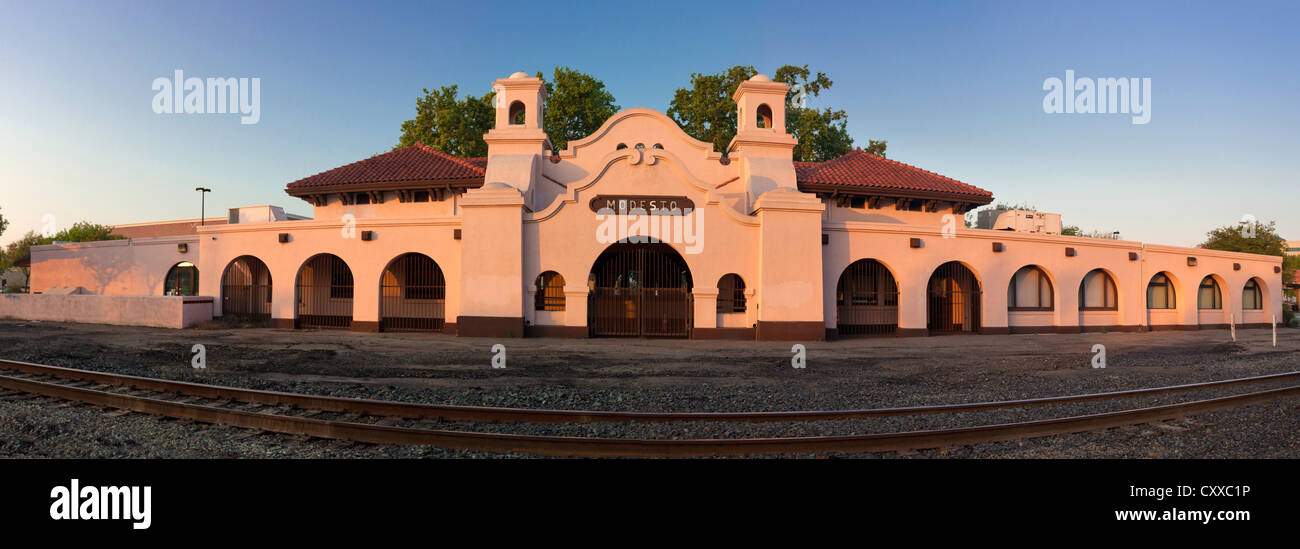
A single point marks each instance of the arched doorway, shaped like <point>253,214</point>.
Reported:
<point>640,290</point>
<point>182,279</point>
<point>866,300</point>
<point>324,292</point>
<point>246,290</point>
<point>954,300</point>
<point>412,294</point>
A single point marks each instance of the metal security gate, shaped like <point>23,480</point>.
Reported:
<point>640,290</point>
<point>412,295</point>
<point>246,290</point>
<point>866,300</point>
<point>324,293</point>
<point>954,299</point>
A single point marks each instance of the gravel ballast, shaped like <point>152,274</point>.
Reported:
<point>660,375</point>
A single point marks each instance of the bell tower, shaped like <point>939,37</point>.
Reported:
<point>790,300</point>
<point>492,215</point>
<point>760,120</point>
<point>519,102</point>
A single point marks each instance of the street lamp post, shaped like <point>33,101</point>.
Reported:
<point>202,210</point>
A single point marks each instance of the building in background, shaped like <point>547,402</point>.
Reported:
<point>13,280</point>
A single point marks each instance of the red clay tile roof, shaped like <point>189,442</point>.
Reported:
<point>417,162</point>
<point>861,170</point>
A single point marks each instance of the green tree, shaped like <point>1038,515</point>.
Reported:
<point>1071,230</point>
<point>81,231</point>
<point>4,223</point>
<point>449,124</point>
<point>706,111</point>
<point>576,105</point>
<point>19,249</point>
<point>85,231</point>
<point>822,134</point>
<point>1251,238</point>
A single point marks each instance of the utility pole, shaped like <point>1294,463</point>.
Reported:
<point>202,210</point>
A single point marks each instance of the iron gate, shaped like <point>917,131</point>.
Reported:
<point>954,299</point>
<point>246,290</point>
<point>866,300</point>
<point>413,294</point>
<point>640,290</point>
<point>324,293</point>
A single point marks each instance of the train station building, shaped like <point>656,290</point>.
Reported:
<point>641,230</point>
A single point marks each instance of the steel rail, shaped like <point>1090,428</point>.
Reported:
<point>612,447</point>
<point>489,414</point>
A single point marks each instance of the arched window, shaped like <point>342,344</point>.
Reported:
<point>517,116</point>
<point>1209,296</point>
<point>731,294</point>
<point>1160,293</point>
<point>550,292</point>
<point>1252,298</point>
<point>1097,292</point>
<point>764,116</point>
<point>182,279</point>
<point>1029,290</point>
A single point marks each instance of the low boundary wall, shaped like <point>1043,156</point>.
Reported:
<point>122,310</point>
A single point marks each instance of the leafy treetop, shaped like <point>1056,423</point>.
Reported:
<point>706,111</point>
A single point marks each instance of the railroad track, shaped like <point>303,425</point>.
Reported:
<point>355,419</point>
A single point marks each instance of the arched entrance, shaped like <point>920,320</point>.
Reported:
<point>866,300</point>
<point>954,300</point>
<point>640,290</point>
<point>324,293</point>
<point>412,294</point>
<point>246,290</point>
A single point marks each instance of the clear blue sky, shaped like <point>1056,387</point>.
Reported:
<point>954,86</point>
